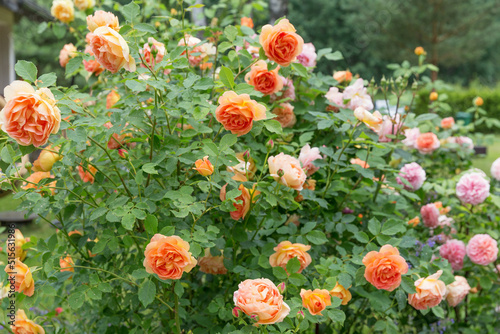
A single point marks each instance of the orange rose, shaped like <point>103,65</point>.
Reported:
<point>35,178</point>
<point>433,96</point>
<point>419,51</point>
<point>310,184</point>
<point>414,222</point>
<point>264,81</point>
<point>243,171</point>
<point>111,99</point>
<point>247,22</point>
<point>430,292</point>
<point>23,325</point>
<point>20,253</point>
<point>92,65</point>
<point>118,140</point>
<point>87,175</point>
<point>102,19</point>
<point>293,174</point>
<point>168,257</point>
<point>340,292</point>
<point>242,203</point>
<point>478,101</point>
<point>342,76</point>
<point>204,166</point>
<point>315,301</point>
<point>67,52</point>
<point>447,123</point>
<point>67,263</point>
<point>212,264</point>
<point>46,160</point>
<point>280,42</point>
<point>237,112</point>
<point>285,251</point>
<point>427,143</point>
<point>30,116</point>
<point>23,279</point>
<point>384,269</point>
<point>358,161</point>
<point>285,115</point>
<point>111,50</point>
<point>63,10</point>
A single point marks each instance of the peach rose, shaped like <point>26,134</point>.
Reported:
<point>87,174</point>
<point>247,22</point>
<point>213,265</point>
<point>358,161</point>
<point>285,115</point>
<point>168,257</point>
<point>285,251</point>
<point>23,279</point>
<point>20,253</point>
<point>342,76</point>
<point>280,42</point>
<point>457,291</point>
<point>152,52</point>
<point>237,112</point>
<point>414,222</point>
<point>384,268</point>
<point>315,301</point>
<point>67,263</point>
<point>84,4</point>
<point>340,292</point>
<point>112,98</point>
<point>102,19</point>
<point>67,52</point>
<point>447,123</point>
<point>430,292</point>
<point>261,298</point>
<point>293,175</point>
<point>478,101</point>
<point>419,51</point>
<point>243,171</point>
<point>373,121</point>
<point>35,178</point>
<point>198,52</point>
<point>30,116</point>
<point>63,10</point>
<point>310,184</point>
<point>116,141</point>
<point>427,143</point>
<point>111,50</point>
<point>23,325</point>
<point>264,81</point>
<point>242,203</point>
<point>433,96</point>
<point>46,159</point>
<point>92,66</point>
<point>204,166</point>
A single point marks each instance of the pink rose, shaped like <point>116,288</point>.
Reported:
<point>307,156</point>
<point>30,116</point>
<point>197,52</point>
<point>357,96</point>
<point>482,249</point>
<point>495,169</point>
<point>335,97</point>
<point>430,292</point>
<point>308,55</point>
<point>457,291</point>
<point>453,251</point>
<point>288,91</point>
<point>262,299</point>
<point>427,143</point>
<point>430,215</point>
<point>111,50</point>
<point>389,127</point>
<point>411,137</point>
<point>447,123</point>
<point>152,52</point>
<point>293,175</point>
<point>472,188</point>
<point>412,173</point>
<point>67,52</point>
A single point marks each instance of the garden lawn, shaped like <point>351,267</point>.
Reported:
<point>484,162</point>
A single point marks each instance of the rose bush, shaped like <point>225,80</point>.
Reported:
<point>220,185</point>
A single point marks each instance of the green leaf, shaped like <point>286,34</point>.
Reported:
<point>76,300</point>
<point>128,221</point>
<point>337,55</point>
<point>27,149</point>
<point>136,85</point>
<point>345,280</point>
<point>336,315</point>
<point>77,135</point>
<point>227,77</point>
<point>227,141</point>
<point>98,213</point>
<point>47,80</point>
<point>438,311</point>
<point>273,126</point>
<point>131,11</point>
<point>145,27</point>
<point>408,284</point>
<point>293,265</point>
<point>151,224</point>
<point>178,289</point>
<point>374,226</point>
<point>26,70</point>
<point>280,273</point>
<point>231,32</point>
<point>300,69</point>
<point>140,274</point>
<point>73,65</point>
<point>393,226</point>
<point>317,237</point>
<point>362,237</point>
<point>149,168</point>
<point>147,292</point>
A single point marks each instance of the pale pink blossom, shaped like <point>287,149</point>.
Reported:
<point>308,55</point>
<point>411,137</point>
<point>358,96</point>
<point>389,127</point>
<point>482,249</point>
<point>473,188</point>
<point>335,97</point>
<point>495,169</point>
<point>457,291</point>
<point>430,215</point>
<point>414,174</point>
<point>152,52</point>
<point>462,141</point>
<point>307,156</point>
<point>453,251</point>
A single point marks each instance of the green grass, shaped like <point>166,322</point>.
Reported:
<point>484,162</point>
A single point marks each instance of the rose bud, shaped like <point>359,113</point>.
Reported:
<point>123,153</point>
<point>282,287</point>
<point>204,166</point>
<point>280,172</point>
<point>58,310</point>
<point>300,315</point>
<point>236,312</point>
<point>254,317</point>
<point>270,144</point>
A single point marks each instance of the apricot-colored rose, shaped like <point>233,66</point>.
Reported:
<point>285,251</point>
<point>285,115</point>
<point>478,101</point>
<point>87,174</point>
<point>118,140</point>
<point>414,222</point>
<point>92,65</point>
<point>242,203</point>
<point>447,123</point>
<point>244,170</point>
<point>204,166</point>
<point>340,292</point>
<point>168,257</point>
<point>427,143</point>
<point>23,325</point>
<point>197,52</point>
<point>67,52</point>
<point>20,253</point>
<point>35,178</point>
<point>433,96</point>
<point>280,42</point>
<point>112,98</point>
<point>46,159</point>
<point>457,291</point>
<point>358,161</point>
<point>84,4</point>
<point>102,19</point>
<point>24,282</point>
<point>264,81</point>
<point>384,268</point>
<point>212,264</point>
<point>63,10</point>
<point>419,51</point>
<point>261,299</point>
<point>310,184</point>
<point>237,112</point>
<point>67,263</point>
<point>30,116</point>
<point>247,22</point>
<point>315,301</point>
<point>111,50</point>
<point>342,76</point>
<point>430,292</point>
<point>373,121</point>
<point>152,52</point>
<point>293,175</point>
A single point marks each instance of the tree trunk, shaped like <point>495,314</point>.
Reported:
<point>277,9</point>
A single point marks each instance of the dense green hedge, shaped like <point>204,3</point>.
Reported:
<point>460,99</point>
